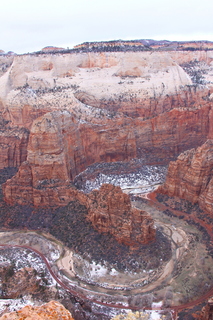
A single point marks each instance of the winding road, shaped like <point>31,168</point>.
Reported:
<point>111,305</point>
<point>79,295</point>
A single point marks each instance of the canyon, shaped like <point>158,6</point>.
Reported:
<point>190,176</point>
<point>62,112</point>
<point>72,110</point>
<point>110,210</point>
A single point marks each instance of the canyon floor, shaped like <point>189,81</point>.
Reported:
<point>136,122</point>
<point>174,271</point>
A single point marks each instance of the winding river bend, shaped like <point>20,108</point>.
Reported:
<point>65,265</point>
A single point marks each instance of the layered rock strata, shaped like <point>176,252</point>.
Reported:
<point>109,210</point>
<point>191,176</point>
<point>146,44</point>
<point>140,84</point>
<point>88,107</point>
<point>60,147</point>
<point>13,146</point>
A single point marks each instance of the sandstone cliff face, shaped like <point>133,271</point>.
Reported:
<point>60,147</point>
<point>52,310</point>
<point>13,146</point>
<point>21,282</point>
<point>20,189</point>
<point>191,176</point>
<point>131,82</point>
<point>109,210</point>
<point>82,108</point>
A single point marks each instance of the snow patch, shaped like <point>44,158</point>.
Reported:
<point>10,305</point>
<point>155,315</point>
<point>157,304</point>
<point>22,258</point>
<point>97,270</point>
<point>142,181</point>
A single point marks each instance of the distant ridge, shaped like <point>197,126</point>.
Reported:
<point>149,44</point>
<point>132,45</point>
<point>126,45</point>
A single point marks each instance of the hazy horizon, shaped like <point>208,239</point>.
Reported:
<point>28,26</point>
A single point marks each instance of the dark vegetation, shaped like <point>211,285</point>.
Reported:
<point>118,48</point>
<point>195,70</point>
<point>5,63</point>
<point>3,122</point>
<point>22,279</point>
<point>179,204</point>
<point>79,234</point>
<point>42,91</point>
<point>191,213</point>
<point>125,46</point>
<point>69,225</point>
<point>191,314</point>
<point>121,168</point>
<point>18,279</point>
<point>6,174</point>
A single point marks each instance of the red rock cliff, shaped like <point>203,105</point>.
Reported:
<point>141,105</point>
<point>60,147</point>
<point>109,210</point>
<point>191,176</point>
<point>52,310</point>
<point>13,146</point>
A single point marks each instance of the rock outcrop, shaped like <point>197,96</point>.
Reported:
<point>63,111</point>
<point>145,44</point>
<point>191,176</point>
<point>207,311</point>
<point>86,107</point>
<point>5,62</point>
<point>52,49</point>
<point>13,146</point>
<point>22,281</point>
<point>109,210</point>
<point>60,147</point>
<point>52,310</point>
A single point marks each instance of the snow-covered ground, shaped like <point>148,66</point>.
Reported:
<point>144,180</point>
<point>105,276</point>
<point>22,258</point>
<point>10,305</point>
<point>146,315</point>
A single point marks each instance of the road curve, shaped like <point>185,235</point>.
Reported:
<point>106,304</point>
<point>151,197</point>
